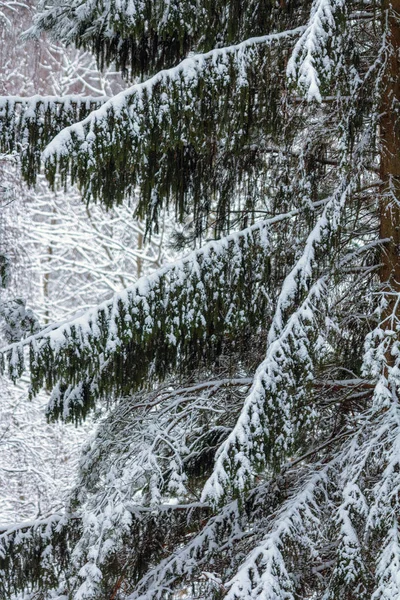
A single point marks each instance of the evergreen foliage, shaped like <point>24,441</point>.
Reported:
<point>250,446</point>
<point>145,37</point>
<point>28,125</point>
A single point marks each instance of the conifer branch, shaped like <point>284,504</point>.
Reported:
<point>65,353</point>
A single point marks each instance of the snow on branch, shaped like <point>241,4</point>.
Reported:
<point>118,32</point>
<point>31,103</point>
<point>310,56</point>
<point>67,550</point>
<point>188,70</point>
<point>269,412</point>
<point>381,360</point>
<point>27,124</point>
<point>370,452</point>
<point>171,434</point>
<point>154,137</point>
<point>29,551</point>
<point>388,566</point>
<point>186,560</point>
<point>265,572</point>
<point>162,320</point>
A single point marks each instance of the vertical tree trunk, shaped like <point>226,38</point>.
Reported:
<point>46,285</point>
<point>390,166</point>
<point>139,263</point>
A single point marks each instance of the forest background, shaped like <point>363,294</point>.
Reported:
<point>61,258</point>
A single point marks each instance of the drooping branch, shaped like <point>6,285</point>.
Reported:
<point>28,124</point>
<point>156,135</point>
<point>183,313</point>
<point>142,38</point>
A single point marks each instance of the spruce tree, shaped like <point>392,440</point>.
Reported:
<point>251,443</point>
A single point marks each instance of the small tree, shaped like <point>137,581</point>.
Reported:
<point>251,448</point>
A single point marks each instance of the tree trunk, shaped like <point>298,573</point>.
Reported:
<point>139,260</point>
<point>390,168</point>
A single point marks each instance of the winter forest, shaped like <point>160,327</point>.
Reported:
<point>199,299</point>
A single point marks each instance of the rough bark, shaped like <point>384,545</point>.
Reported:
<point>390,167</point>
